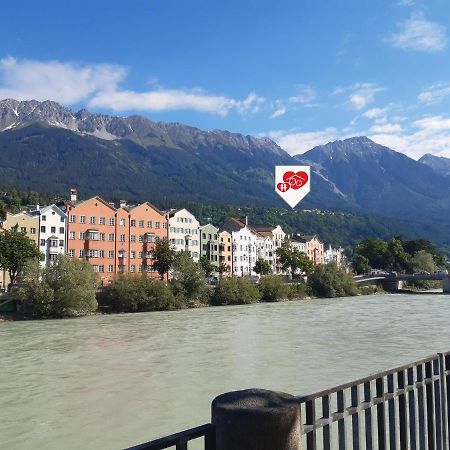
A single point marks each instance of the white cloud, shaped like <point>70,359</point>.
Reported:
<point>435,93</point>
<point>419,34</point>
<point>298,143</point>
<point>386,128</point>
<point>375,113</point>
<point>304,95</point>
<point>360,94</point>
<point>279,112</point>
<point>52,80</point>
<point>435,123</point>
<point>99,85</point>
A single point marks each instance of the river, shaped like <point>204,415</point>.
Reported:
<point>107,382</point>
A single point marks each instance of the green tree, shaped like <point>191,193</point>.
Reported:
<point>66,288</point>
<point>223,268</point>
<point>165,257</point>
<point>235,291</point>
<point>272,289</point>
<point>397,258</point>
<point>376,252</point>
<point>292,259</point>
<point>423,261</point>
<point>132,293</point>
<point>262,267</point>
<point>207,266</point>
<point>189,279</point>
<point>16,249</point>
<point>329,281</point>
<point>361,264</point>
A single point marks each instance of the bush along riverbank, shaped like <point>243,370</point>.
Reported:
<point>69,289</point>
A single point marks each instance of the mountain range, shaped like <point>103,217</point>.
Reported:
<point>47,147</point>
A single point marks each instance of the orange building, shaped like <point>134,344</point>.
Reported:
<point>114,240</point>
<point>225,252</point>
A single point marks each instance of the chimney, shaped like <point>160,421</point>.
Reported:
<point>38,207</point>
<point>246,221</point>
<point>122,203</point>
<point>112,204</point>
<point>73,195</point>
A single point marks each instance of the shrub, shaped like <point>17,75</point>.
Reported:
<point>132,293</point>
<point>66,288</point>
<point>298,291</point>
<point>272,289</point>
<point>235,291</point>
<point>328,280</point>
<point>189,279</point>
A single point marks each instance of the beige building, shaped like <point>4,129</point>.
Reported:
<point>226,252</point>
<point>314,250</point>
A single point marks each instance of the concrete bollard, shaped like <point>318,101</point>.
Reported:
<point>256,419</point>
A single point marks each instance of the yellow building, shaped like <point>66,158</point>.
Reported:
<point>225,252</point>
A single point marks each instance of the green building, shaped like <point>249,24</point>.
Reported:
<point>209,243</point>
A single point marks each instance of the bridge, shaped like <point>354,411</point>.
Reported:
<point>395,282</point>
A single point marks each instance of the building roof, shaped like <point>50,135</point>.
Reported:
<point>233,225</point>
<point>298,238</point>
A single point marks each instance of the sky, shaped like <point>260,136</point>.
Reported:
<point>302,72</point>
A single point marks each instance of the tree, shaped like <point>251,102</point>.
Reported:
<point>223,268</point>
<point>376,252</point>
<point>189,279</point>
<point>207,266</point>
<point>16,249</point>
<point>423,261</point>
<point>397,258</point>
<point>292,259</point>
<point>361,264</point>
<point>328,280</point>
<point>165,257</point>
<point>66,288</point>
<point>235,291</point>
<point>262,267</point>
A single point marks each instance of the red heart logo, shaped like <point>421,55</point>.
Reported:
<point>283,187</point>
<point>295,180</point>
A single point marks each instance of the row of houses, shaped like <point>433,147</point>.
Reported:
<point>121,238</point>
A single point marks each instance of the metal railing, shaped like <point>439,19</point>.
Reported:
<point>399,409</point>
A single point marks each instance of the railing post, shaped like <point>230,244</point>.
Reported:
<point>256,419</point>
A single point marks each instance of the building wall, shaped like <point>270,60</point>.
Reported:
<point>25,223</point>
<point>265,250</point>
<point>184,232</point>
<point>209,243</point>
<point>52,233</point>
<point>244,252</point>
<point>226,252</point>
<point>314,250</point>
<point>147,225</point>
<point>91,234</point>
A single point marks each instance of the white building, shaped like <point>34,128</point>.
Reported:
<point>52,232</point>
<point>334,255</point>
<point>265,250</point>
<point>277,236</point>
<point>298,242</point>
<point>184,232</point>
<point>245,249</point>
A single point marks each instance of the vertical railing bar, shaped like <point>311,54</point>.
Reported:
<point>402,411</point>
<point>381,415</point>
<point>412,409</point>
<point>356,443</point>
<point>421,409</point>
<point>429,391</point>
<point>444,406</point>
<point>368,416</point>
<point>326,432</point>
<point>210,439</point>
<point>447,399</point>
<point>437,404</point>
<point>392,415</point>
<point>182,444</point>
<point>341,423</point>
<point>311,443</point>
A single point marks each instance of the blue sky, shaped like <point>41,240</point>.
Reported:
<point>302,72</point>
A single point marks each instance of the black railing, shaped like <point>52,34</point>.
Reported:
<point>402,408</point>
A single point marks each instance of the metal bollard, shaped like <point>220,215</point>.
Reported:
<point>256,419</point>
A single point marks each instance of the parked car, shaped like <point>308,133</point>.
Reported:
<point>441,272</point>
<point>393,273</point>
<point>422,272</point>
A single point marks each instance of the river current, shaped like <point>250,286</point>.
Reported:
<point>107,382</point>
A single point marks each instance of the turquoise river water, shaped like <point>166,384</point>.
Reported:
<point>107,382</point>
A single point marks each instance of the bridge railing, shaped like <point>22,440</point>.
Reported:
<point>402,408</point>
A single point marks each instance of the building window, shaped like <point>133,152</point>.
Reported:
<point>141,224</point>
<point>61,243</point>
<point>44,218</point>
<point>132,238</point>
<point>71,253</point>
<point>92,220</point>
<point>110,268</point>
<point>111,237</point>
<point>101,253</point>
<point>158,224</point>
<point>149,224</point>
<point>132,255</point>
<point>165,225</point>
<point>52,257</point>
<point>42,242</point>
<point>111,221</point>
<point>111,254</point>
<point>101,268</point>
<point>61,230</point>
<point>72,235</point>
<point>82,235</point>
<point>101,221</point>
<point>141,238</point>
<point>140,268</point>
<point>132,222</point>
<point>62,219</point>
<point>33,230</point>
<point>42,229</point>
<point>122,238</point>
<point>52,229</point>
<point>101,236</point>
<point>82,219</point>
<point>81,253</point>
<point>72,218</point>
<point>122,222</point>
<point>132,269</point>
<point>140,255</point>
